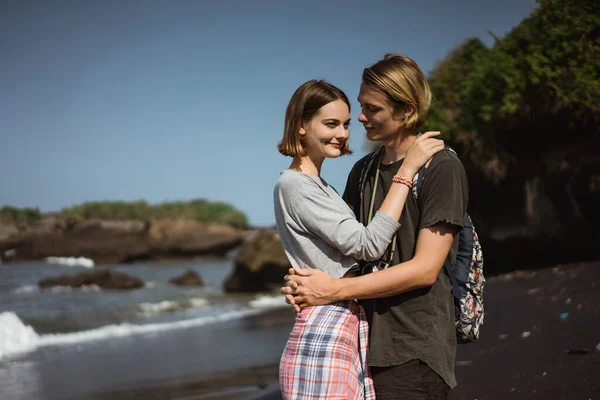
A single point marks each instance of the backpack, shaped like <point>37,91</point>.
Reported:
<point>466,274</point>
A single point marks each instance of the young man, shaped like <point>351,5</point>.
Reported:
<point>409,306</point>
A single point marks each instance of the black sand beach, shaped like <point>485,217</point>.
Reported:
<point>541,338</point>
<point>539,342</point>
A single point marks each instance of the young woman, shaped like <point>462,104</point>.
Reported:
<point>325,356</point>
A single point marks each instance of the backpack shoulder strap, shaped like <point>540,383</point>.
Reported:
<point>420,176</point>
<point>416,190</point>
<point>418,182</point>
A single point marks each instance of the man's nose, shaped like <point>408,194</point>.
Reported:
<point>362,117</point>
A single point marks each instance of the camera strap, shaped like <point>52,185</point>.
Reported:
<point>371,205</point>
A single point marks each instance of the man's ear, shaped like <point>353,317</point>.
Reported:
<point>409,110</point>
<point>402,113</point>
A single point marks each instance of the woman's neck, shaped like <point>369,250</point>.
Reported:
<point>307,165</point>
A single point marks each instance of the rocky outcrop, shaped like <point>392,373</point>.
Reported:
<point>189,278</point>
<point>112,242</point>
<point>190,238</point>
<point>104,278</point>
<point>8,230</point>
<point>260,264</point>
<point>537,205</point>
<point>502,256</point>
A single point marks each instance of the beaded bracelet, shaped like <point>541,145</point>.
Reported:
<point>403,180</point>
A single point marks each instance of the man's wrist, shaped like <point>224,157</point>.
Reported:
<point>341,289</point>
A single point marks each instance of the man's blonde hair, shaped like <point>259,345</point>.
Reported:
<point>402,81</point>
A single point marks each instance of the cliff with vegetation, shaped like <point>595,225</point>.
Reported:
<point>524,117</point>
<point>118,232</point>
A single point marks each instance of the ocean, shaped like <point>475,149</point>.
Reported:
<point>77,343</point>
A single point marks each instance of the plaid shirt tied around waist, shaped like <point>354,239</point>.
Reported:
<point>326,355</point>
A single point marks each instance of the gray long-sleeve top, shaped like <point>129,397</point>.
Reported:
<point>319,230</point>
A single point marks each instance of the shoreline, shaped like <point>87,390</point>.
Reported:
<point>221,360</point>
<point>538,341</point>
<point>557,359</point>
<point>236,384</point>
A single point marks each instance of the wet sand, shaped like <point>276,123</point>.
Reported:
<point>257,382</point>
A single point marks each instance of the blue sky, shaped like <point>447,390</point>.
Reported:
<point>174,100</point>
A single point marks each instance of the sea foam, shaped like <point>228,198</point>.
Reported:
<point>264,302</point>
<point>71,261</point>
<point>171,306</point>
<point>16,337</point>
<point>58,289</point>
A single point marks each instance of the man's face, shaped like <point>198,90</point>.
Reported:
<point>377,115</point>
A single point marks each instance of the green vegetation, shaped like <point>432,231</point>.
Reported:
<point>11,214</point>
<point>200,210</point>
<point>531,103</point>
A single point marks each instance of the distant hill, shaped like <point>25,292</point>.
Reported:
<point>198,210</point>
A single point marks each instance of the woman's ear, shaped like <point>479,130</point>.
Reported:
<point>302,129</point>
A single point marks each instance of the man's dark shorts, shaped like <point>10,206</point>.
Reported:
<point>413,380</point>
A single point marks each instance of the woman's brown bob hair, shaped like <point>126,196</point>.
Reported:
<point>304,104</point>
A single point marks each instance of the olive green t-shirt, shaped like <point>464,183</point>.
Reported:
<point>417,324</point>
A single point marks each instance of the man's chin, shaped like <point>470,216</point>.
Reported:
<point>373,136</point>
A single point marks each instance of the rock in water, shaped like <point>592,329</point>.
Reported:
<point>104,278</point>
<point>260,264</point>
<point>189,278</point>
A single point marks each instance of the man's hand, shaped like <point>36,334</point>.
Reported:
<point>309,287</point>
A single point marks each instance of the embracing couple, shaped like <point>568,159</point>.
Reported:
<point>375,309</point>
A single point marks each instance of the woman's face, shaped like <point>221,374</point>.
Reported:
<point>377,115</point>
<point>325,134</point>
